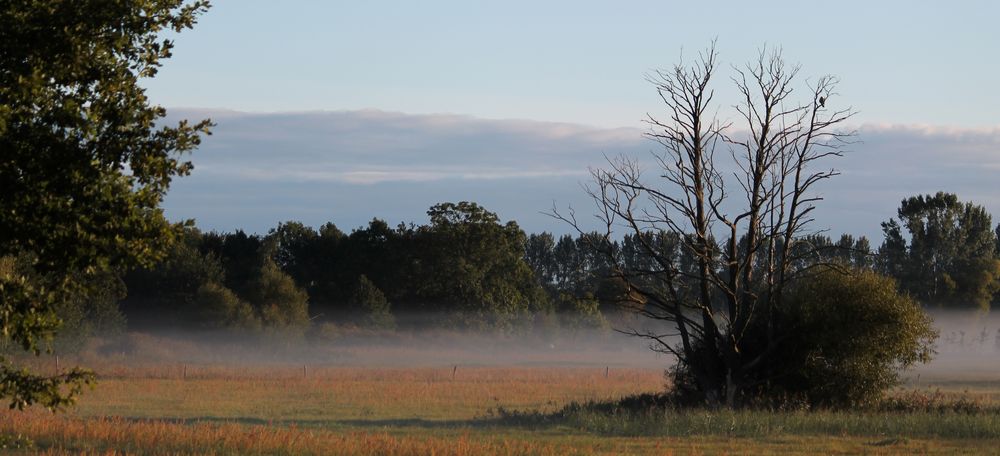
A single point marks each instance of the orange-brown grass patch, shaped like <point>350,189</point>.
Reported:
<point>58,434</point>
<point>335,395</point>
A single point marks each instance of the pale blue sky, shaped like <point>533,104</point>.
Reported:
<point>922,75</point>
<point>901,62</point>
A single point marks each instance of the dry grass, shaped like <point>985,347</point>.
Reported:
<point>169,404</point>
<point>59,435</point>
<point>331,396</point>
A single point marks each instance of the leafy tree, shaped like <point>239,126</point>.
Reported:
<point>382,254</point>
<point>281,305</point>
<point>370,305</point>
<point>997,236</point>
<point>892,254</point>
<point>242,256</point>
<point>854,334</point>
<point>219,308</point>
<point>540,255</point>
<point>581,312</point>
<point>92,314</point>
<point>569,264</point>
<point>86,159</point>
<point>950,258</point>
<point>165,294</point>
<point>291,242</point>
<point>472,265</point>
<point>820,249</point>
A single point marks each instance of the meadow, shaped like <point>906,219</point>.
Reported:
<point>169,397</point>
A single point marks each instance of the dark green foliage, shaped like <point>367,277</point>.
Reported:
<point>219,308</point>
<point>997,237</point>
<point>315,259</point>
<point>86,159</point>
<point>94,313</point>
<point>854,333</point>
<point>539,253</point>
<point>217,281</point>
<point>580,312</point>
<point>469,264</point>
<point>570,273</point>
<point>90,311</point>
<point>951,257</point>
<point>281,304</point>
<point>241,255</point>
<point>166,294</point>
<point>370,306</point>
<point>846,336</point>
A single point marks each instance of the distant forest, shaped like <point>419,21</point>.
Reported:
<point>467,270</point>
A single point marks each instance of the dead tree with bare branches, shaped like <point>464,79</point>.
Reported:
<point>750,184</point>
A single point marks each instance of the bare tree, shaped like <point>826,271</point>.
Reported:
<point>751,186</point>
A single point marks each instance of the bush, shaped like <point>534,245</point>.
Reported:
<point>850,335</point>
<point>579,313</point>
<point>838,338</point>
<point>280,303</point>
<point>369,306</point>
<point>218,307</point>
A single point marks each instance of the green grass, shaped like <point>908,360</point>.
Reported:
<point>751,424</point>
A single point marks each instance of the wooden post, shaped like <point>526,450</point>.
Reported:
<point>454,370</point>
<point>304,371</point>
<point>57,363</point>
<point>184,372</point>
<point>606,370</point>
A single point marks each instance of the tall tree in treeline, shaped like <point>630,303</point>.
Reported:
<point>86,159</point>
<point>468,263</point>
<point>371,307</point>
<point>997,235</point>
<point>950,257</point>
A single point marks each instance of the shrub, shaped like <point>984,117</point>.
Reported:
<point>218,307</point>
<point>581,312</point>
<point>849,335</point>
<point>370,306</point>
<point>280,303</point>
<point>838,338</point>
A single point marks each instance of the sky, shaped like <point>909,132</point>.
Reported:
<point>508,102</point>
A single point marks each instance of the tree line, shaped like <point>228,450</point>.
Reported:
<point>466,269</point>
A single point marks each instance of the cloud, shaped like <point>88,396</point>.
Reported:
<point>366,147</point>
<point>377,176</point>
<point>348,166</point>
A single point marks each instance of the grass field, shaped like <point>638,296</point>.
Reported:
<point>170,407</point>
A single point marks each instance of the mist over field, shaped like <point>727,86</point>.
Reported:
<point>402,348</point>
<point>967,349</point>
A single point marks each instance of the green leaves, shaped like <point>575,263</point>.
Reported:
<point>951,258</point>
<point>85,158</point>
<point>53,392</point>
